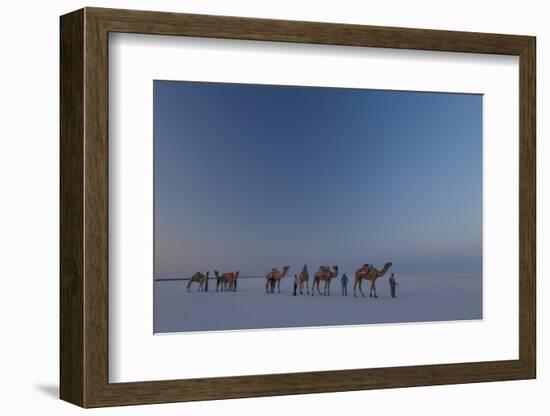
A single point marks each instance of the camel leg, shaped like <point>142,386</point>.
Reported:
<point>267,286</point>
<point>373,288</point>
<point>355,287</point>
<point>328,287</point>
<point>360,288</point>
<point>279,285</point>
<point>307,287</point>
<point>313,288</point>
<point>189,285</point>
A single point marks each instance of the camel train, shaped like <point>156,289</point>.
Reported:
<point>366,272</point>
<point>227,282</point>
<point>275,276</point>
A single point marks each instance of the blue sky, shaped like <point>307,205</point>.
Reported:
<point>248,177</point>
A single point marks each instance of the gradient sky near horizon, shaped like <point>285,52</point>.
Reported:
<point>248,177</point>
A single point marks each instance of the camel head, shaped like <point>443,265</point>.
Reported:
<point>385,269</point>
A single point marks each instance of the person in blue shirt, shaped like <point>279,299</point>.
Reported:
<point>344,281</point>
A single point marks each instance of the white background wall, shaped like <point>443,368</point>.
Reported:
<point>29,206</point>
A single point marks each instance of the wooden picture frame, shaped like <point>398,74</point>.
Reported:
<point>84,207</point>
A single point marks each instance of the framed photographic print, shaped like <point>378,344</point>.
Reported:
<point>255,207</point>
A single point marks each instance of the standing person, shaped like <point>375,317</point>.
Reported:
<point>295,285</point>
<point>344,280</point>
<point>393,284</point>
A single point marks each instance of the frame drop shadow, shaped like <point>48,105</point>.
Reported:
<point>51,390</point>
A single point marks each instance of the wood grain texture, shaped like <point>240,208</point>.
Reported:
<point>527,208</point>
<point>84,207</point>
<point>96,223</point>
<point>71,208</point>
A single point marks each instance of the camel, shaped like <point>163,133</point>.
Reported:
<point>325,274</point>
<point>303,278</point>
<point>369,273</point>
<point>199,277</point>
<point>274,278</point>
<point>226,281</point>
<point>230,280</point>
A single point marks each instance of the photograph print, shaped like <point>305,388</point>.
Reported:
<point>293,206</point>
